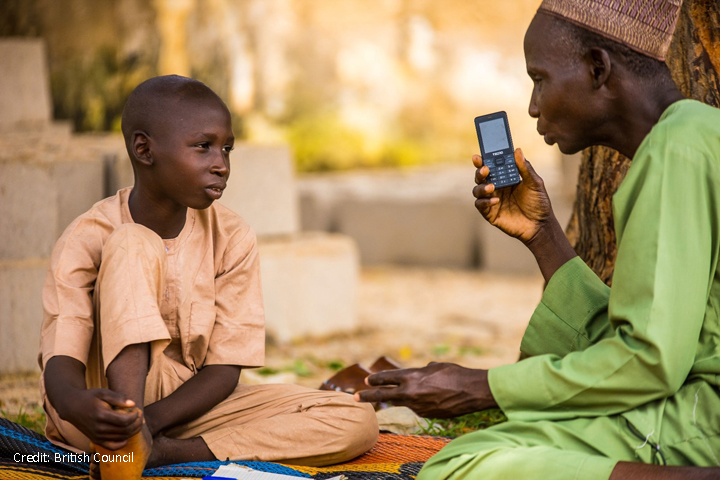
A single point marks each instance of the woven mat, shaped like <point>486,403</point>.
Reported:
<point>394,457</point>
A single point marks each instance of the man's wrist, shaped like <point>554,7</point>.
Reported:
<point>551,248</point>
<point>484,398</point>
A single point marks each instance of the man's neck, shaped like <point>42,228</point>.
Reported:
<point>166,218</point>
<point>640,110</point>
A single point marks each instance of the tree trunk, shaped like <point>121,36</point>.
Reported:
<point>694,61</point>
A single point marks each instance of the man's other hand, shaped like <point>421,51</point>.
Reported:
<point>439,390</point>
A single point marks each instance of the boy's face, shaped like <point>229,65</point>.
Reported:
<point>191,153</point>
<point>562,100</point>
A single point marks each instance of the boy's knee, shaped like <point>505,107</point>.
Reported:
<point>359,426</point>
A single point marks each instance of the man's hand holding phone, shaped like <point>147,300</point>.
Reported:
<point>524,211</point>
<point>520,210</point>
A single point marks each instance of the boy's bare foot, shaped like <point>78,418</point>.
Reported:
<point>169,451</point>
<point>126,463</point>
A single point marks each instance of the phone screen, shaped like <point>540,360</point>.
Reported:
<point>493,134</point>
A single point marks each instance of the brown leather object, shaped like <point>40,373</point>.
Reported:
<point>352,379</point>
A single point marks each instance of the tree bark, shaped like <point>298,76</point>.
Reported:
<point>694,61</point>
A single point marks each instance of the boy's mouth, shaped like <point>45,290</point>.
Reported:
<point>215,192</point>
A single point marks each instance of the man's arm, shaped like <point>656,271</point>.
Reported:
<point>657,306</point>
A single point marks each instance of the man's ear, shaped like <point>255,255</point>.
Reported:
<point>141,147</point>
<point>600,65</point>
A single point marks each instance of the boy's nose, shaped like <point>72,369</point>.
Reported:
<point>221,166</point>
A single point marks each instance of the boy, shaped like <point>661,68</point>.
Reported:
<point>613,377</point>
<point>152,306</point>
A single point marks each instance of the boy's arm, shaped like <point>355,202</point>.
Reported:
<point>237,339</point>
<point>214,382</point>
<point>92,411</point>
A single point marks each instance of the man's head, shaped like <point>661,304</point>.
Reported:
<point>583,74</point>
<point>178,134</point>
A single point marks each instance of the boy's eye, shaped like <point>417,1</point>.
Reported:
<point>205,145</point>
<point>228,148</point>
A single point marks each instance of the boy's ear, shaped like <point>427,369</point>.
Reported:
<point>600,65</point>
<point>141,147</point>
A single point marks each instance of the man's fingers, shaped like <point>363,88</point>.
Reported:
<point>389,377</point>
<point>477,161</point>
<point>484,190</point>
<point>481,174</point>
<point>381,394</point>
<point>524,167</point>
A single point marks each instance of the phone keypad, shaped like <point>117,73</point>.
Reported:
<point>503,171</point>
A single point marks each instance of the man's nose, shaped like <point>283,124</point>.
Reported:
<point>533,110</point>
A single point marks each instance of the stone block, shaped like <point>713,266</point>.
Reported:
<point>20,314</point>
<point>110,148</point>
<point>39,198</point>
<point>501,253</point>
<point>310,284</point>
<point>439,232</point>
<point>80,184</point>
<point>24,86</point>
<point>262,188</point>
<point>28,210</point>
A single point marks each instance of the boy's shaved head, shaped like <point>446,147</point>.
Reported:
<point>158,102</point>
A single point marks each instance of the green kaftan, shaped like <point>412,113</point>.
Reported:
<point>629,373</point>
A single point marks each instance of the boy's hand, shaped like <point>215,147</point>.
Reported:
<point>107,418</point>
<point>522,210</point>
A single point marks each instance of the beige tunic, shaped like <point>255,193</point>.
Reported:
<point>196,299</point>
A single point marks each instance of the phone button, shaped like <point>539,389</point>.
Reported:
<point>499,161</point>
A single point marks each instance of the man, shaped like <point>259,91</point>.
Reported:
<point>612,378</point>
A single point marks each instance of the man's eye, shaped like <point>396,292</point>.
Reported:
<point>204,145</point>
<point>228,148</point>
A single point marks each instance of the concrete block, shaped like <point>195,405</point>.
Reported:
<point>80,184</point>
<point>110,148</point>
<point>310,284</point>
<point>20,314</point>
<point>439,232</point>
<point>24,85</point>
<point>262,189</point>
<point>28,210</point>
<point>503,254</point>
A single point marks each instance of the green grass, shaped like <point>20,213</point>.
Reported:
<point>456,427</point>
<point>34,420</point>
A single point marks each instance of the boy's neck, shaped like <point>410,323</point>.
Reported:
<point>166,218</point>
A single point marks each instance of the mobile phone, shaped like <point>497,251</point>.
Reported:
<point>497,149</point>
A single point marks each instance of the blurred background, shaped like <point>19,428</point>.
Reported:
<point>355,121</point>
<point>347,83</point>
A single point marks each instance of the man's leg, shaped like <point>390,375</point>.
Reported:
<point>287,423</point>
<point>572,449</point>
<point>682,430</point>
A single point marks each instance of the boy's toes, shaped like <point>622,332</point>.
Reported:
<point>94,471</point>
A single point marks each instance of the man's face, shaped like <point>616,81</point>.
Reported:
<point>562,100</point>
<point>191,153</point>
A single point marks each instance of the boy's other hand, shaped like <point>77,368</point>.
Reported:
<point>522,210</point>
<point>107,418</point>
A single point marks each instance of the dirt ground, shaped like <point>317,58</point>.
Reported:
<point>412,315</point>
